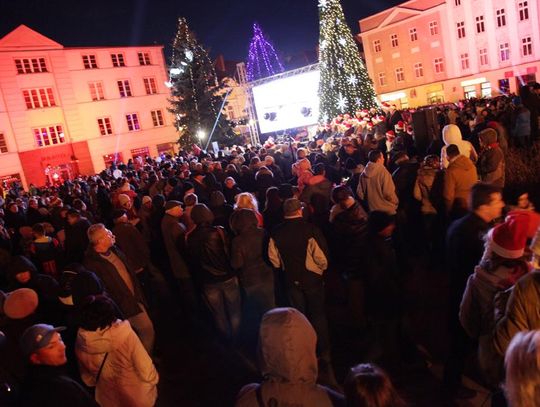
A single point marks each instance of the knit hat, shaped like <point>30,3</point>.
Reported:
<point>20,303</point>
<point>172,204</point>
<point>123,199</point>
<point>85,284</point>
<point>509,238</point>
<point>146,199</point>
<point>201,214</point>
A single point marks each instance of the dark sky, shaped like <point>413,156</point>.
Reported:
<point>223,26</point>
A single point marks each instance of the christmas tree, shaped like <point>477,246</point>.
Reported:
<point>196,96</point>
<point>262,58</point>
<point>344,85</point>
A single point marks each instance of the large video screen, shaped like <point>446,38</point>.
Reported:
<point>287,103</point>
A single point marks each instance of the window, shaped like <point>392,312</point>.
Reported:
<point>394,40</point>
<point>504,51</point>
<point>31,65</point>
<point>464,61</point>
<point>124,88</point>
<point>501,17</point>
<point>523,9</point>
<point>483,54</point>
<point>480,28</point>
<point>118,60</point>
<point>418,70</point>
<point>144,58</point>
<point>104,124</point>
<point>439,65</point>
<point>3,144</point>
<point>485,90</point>
<point>504,86</point>
<point>413,35</point>
<point>133,122</point>
<point>460,29</point>
<point>96,90</point>
<point>526,46</point>
<point>377,46</point>
<point>49,135</point>
<point>457,2</point>
<point>433,28</point>
<point>89,61</point>
<point>470,92</point>
<point>37,98</point>
<point>150,86</point>
<point>157,118</point>
<point>400,76</point>
<point>382,78</point>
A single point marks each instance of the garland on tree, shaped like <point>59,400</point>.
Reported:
<point>262,58</point>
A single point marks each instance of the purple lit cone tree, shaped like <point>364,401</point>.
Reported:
<point>262,58</point>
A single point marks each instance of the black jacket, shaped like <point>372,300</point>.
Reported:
<point>132,244</point>
<point>76,241</point>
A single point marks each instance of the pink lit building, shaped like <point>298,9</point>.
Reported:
<point>68,111</point>
<point>429,51</point>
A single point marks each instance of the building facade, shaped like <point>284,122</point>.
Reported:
<point>431,51</point>
<point>68,111</point>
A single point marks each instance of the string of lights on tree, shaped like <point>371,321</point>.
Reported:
<point>344,84</point>
<point>262,58</point>
<point>196,94</point>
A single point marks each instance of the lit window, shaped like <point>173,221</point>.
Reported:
<point>89,61</point>
<point>150,86</point>
<point>485,89</point>
<point>96,90</point>
<point>480,28</point>
<point>526,46</point>
<point>124,88</point>
<point>439,65</point>
<point>400,76</point>
<point>49,135</point>
<point>501,17</point>
<point>413,35</point>
<point>464,61</point>
<point>382,78</point>
<point>483,54</point>
<point>433,28</point>
<point>118,60</point>
<point>460,29</point>
<point>105,127</point>
<point>418,70</point>
<point>31,65</point>
<point>504,51</point>
<point>133,122</point>
<point>144,58</point>
<point>3,144</point>
<point>157,118</point>
<point>523,8</point>
<point>394,40</point>
<point>377,46</point>
<point>37,98</point>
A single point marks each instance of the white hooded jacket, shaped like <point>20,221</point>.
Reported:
<point>451,134</point>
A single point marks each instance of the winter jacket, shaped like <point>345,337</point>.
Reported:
<point>132,244</point>
<point>128,377</point>
<point>491,165</point>
<point>174,236</point>
<point>289,365</point>
<point>459,178</point>
<point>317,185</point>
<point>47,255</point>
<point>377,188</point>
<point>522,125</point>
<point>428,189</point>
<point>452,135</point>
<point>76,241</point>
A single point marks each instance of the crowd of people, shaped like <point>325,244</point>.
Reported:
<point>247,236</point>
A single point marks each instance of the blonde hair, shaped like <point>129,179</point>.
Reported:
<point>246,200</point>
<point>522,362</point>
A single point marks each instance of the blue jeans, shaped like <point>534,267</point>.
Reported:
<point>224,301</point>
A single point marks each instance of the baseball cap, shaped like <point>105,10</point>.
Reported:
<point>37,337</point>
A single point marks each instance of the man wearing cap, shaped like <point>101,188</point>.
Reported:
<point>46,383</point>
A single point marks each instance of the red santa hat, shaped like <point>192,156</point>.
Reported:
<point>400,125</point>
<point>534,220</point>
<point>391,133</point>
<point>385,104</point>
<point>509,238</point>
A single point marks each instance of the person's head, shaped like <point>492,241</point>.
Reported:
<point>33,203</point>
<point>79,204</point>
<point>191,200</point>
<point>174,208</point>
<point>97,312</point>
<point>375,156</point>
<point>487,137</point>
<point>12,207</point>
<point>342,195</point>
<point>42,344</point>
<point>522,361</point>
<point>73,216</point>
<point>230,182</point>
<point>101,238</point>
<point>242,220</point>
<point>21,269</point>
<point>367,385</point>
<point>38,230</point>
<point>292,208</point>
<point>486,201</point>
<point>431,161</point>
<point>147,202</point>
<point>202,215</point>
<point>246,200</point>
<point>452,151</point>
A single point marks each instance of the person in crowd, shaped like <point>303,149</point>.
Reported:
<point>491,163</point>
<point>289,365</point>
<point>451,134</point>
<point>246,200</point>
<point>46,252</point>
<point>46,383</point>
<point>318,185</point>
<point>521,130</point>
<point>144,215</point>
<point>76,237</point>
<point>112,358</point>
<point>376,187</point>
<point>230,190</point>
<point>221,209</point>
<point>120,281</point>
<point>273,210</point>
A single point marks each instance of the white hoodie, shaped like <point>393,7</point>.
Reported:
<point>451,134</point>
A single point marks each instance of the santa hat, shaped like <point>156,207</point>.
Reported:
<point>533,222</point>
<point>386,104</point>
<point>509,238</point>
<point>400,125</point>
<point>391,133</point>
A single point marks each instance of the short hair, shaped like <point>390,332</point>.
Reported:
<point>368,385</point>
<point>481,194</point>
<point>522,362</point>
<point>73,212</point>
<point>452,150</point>
<point>341,193</point>
<point>38,229</point>
<point>191,199</point>
<point>97,312</point>
<point>93,231</point>
<point>374,155</point>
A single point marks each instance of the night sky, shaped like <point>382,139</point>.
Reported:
<point>223,26</point>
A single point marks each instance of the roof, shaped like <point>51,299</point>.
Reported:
<point>24,38</point>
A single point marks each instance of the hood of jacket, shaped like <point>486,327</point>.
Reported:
<point>462,163</point>
<point>20,264</point>
<point>103,340</point>
<point>373,169</point>
<point>451,134</point>
<point>287,346</point>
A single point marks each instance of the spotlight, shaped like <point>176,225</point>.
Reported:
<point>306,111</point>
<point>270,116</point>
<point>200,134</point>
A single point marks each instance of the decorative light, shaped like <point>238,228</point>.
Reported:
<point>175,71</point>
<point>168,84</point>
<point>189,55</point>
<point>341,102</point>
<point>200,134</point>
<point>342,41</point>
<point>352,80</point>
<point>323,3</point>
<point>262,58</point>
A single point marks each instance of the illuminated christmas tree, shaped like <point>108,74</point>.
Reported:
<point>197,96</point>
<point>262,58</point>
<point>344,85</point>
